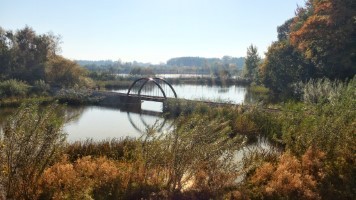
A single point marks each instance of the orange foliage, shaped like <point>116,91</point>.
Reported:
<point>291,177</point>
<point>100,178</point>
<point>212,179</point>
<point>65,180</point>
<point>324,32</point>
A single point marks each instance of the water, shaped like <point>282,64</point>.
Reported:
<point>174,75</point>
<point>101,123</point>
<point>104,123</point>
<point>197,75</point>
<point>233,93</point>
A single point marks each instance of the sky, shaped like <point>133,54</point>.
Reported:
<point>151,30</point>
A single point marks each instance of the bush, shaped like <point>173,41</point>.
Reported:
<point>75,96</point>
<point>81,179</point>
<point>322,91</point>
<point>40,87</point>
<point>116,149</point>
<point>13,88</point>
<point>197,156</point>
<point>290,177</point>
<point>31,141</point>
<point>327,122</point>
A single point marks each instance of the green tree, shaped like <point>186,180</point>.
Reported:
<point>23,54</point>
<point>251,63</point>
<point>284,30</point>
<point>282,67</point>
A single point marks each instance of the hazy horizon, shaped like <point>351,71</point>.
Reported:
<point>152,31</point>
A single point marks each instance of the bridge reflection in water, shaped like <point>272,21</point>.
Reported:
<point>142,126</point>
<point>143,89</point>
<point>148,89</point>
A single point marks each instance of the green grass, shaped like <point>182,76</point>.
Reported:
<point>258,89</point>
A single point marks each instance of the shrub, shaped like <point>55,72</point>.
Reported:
<point>100,178</point>
<point>327,124</point>
<point>13,88</point>
<point>81,179</point>
<point>76,96</point>
<point>197,155</point>
<point>32,140</point>
<point>116,149</point>
<point>40,87</point>
<point>322,91</point>
<point>290,177</point>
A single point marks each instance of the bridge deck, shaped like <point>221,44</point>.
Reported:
<point>148,98</point>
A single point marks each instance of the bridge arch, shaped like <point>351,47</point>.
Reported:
<point>156,81</point>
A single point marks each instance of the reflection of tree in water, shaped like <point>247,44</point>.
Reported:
<point>72,113</point>
<point>254,97</point>
<point>223,90</point>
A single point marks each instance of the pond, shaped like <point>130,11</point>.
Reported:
<point>100,123</point>
<point>231,93</point>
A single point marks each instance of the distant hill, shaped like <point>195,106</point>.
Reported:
<point>202,62</point>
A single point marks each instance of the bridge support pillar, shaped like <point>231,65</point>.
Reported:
<point>132,104</point>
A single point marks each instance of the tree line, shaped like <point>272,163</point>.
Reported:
<point>30,57</point>
<point>180,65</point>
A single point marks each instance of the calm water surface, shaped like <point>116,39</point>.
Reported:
<point>101,123</point>
<point>235,94</point>
<point>104,123</point>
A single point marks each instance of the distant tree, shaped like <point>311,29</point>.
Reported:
<point>141,71</point>
<point>224,74</point>
<point>251,63</point>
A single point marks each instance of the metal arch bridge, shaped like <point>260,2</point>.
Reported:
<point>151,89</point>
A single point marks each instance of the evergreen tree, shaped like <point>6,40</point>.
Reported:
<point>251,63</point>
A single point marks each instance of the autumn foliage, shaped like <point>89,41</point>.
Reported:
<point>327,36</point>
<point>291,177</point>
<point>319,42</point>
